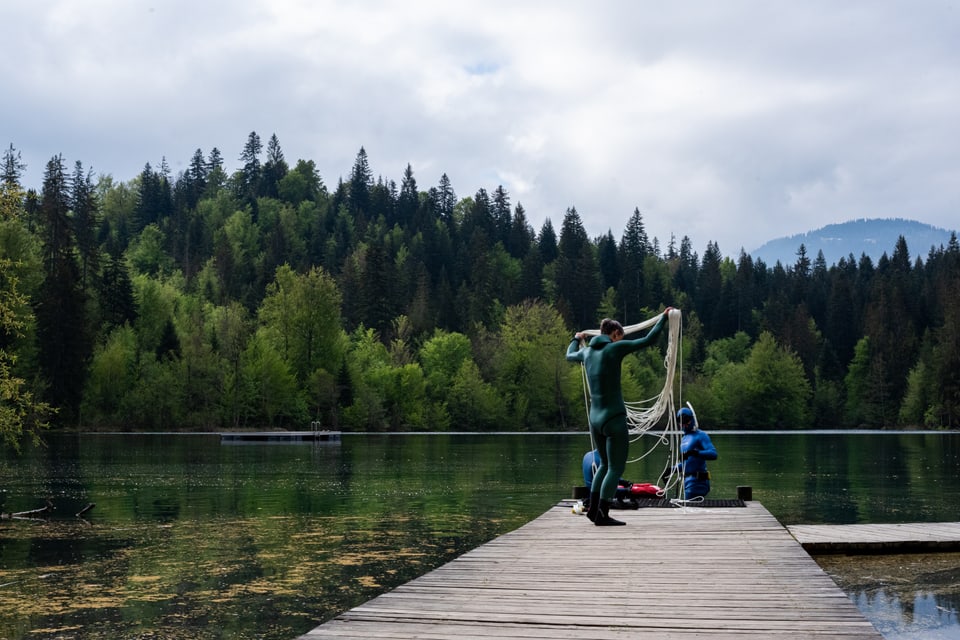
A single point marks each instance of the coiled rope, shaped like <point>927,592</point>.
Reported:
<point>644,415</point>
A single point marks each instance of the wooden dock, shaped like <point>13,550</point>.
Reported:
<point>669,574</point>
<point>878,538</point>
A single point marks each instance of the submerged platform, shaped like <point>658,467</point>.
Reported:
<point>279,436</point>
<point>668,574</point>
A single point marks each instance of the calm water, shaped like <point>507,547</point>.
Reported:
<point>193,539</point>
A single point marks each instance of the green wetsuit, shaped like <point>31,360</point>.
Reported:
<point>602,360</point>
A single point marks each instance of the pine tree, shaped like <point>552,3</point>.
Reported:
<point>117,305</point>
<point>251,171</point>
<point>521,234</point>
<point>62,329</point>
<point>501,215</point>
<point>709,286</point>
<point>86,220</point>
<point>409,200</point>
<point>13,168</point>
<point>607,261</point>
<point>685,277</point>
<point>547,242</point>
<point>478,218</point>
<point>196,179</point>
<point>274,169</point>
<point>632,254</point>
<point>578,284</point>
<point>446,200</point>
<point>361,181</point>
<point>216,174</point>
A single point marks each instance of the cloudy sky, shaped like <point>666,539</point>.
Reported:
<point>727,121</point>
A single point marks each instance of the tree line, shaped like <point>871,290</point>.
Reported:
<point>262,297</point>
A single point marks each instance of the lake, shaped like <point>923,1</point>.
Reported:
<point>191,538</point>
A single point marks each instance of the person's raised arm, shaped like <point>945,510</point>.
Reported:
<point>573,351</point>
<point>637,343</point>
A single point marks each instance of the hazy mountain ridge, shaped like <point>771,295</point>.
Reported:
<point>873,236</point>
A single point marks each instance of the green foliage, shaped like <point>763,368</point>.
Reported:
<point>155,301</point>
<point>113,375</point>
<point>768,390</point>
<point>533,378</point>
<point>187,300</point>
<point>300,316</point>
<point>726,350</point>
<point>367,363</point>
<point>156,401</point>
<point>271,396</point>
<point>147,255</point>
<point>473,403</point>
<point>441,357</point>
<point>20,413</point>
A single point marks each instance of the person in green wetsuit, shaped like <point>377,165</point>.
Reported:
<point>602,359</point>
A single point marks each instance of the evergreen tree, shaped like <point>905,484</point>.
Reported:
<point>85,221</point>
<point>578,284</point>
<point>196,179</point>
<point>547,242</point>
<point>748,294</point>
<point>501,215</point>
<point>478,219</point>
<point>62,330</point>
<point>383,204</point>
<point>521,234</point>
<point>685,277</point>
<point>148,199</point>
<point>13,167</point>
<point>800,276</point>
<point>409,199</point>
<point>632,254</point>
<point>251,172</point>
<point>531,277</point>
<point>376,291</point>
<point>708,288</point>
<point>274,169</point>
<point>361,181</point>
<point>607,261</point>
<point>446,199</point>
<point>115,292</point>
<point>216,174</point>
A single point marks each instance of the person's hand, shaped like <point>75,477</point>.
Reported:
<point>692,453</point>
<point>667,311</point>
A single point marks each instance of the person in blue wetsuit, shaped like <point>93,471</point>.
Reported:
<point>695,449</point>
<point>591,460</point>
<point>602,359</point>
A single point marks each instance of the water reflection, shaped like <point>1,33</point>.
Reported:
<point>192,539</point>
<point>905,596</point>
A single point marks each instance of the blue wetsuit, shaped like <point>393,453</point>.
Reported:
<point>696,448</point>
<point>591,458</point>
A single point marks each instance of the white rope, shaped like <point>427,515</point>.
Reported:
<point>643,416</point>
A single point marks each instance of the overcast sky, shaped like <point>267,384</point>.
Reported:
<point>728,121</point>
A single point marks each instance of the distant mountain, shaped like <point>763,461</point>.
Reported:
<point>872,237</point>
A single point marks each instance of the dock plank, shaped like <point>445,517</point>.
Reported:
<point>560,577</point>
<point>877,538</point>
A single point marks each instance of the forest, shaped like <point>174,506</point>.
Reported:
<point>264,298</point>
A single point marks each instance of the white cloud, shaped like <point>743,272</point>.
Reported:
<point>734,122</point>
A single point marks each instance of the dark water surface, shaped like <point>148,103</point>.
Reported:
<point>190,538</point>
